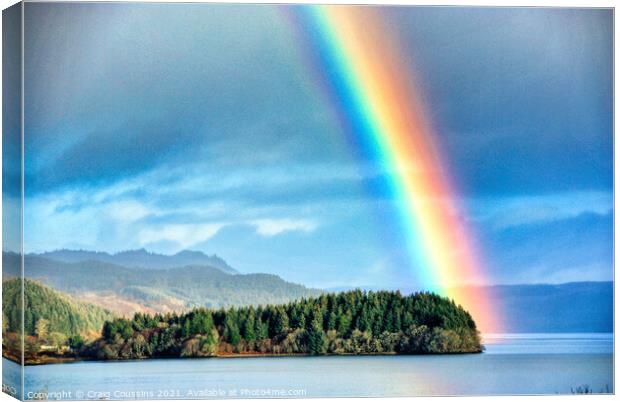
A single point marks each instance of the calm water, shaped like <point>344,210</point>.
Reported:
<point>512,364</point>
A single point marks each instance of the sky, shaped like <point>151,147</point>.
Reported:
<point>204,127</point>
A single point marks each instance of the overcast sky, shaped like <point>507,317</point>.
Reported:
<point>203,127</point>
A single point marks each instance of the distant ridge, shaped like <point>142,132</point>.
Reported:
<point>128,290</point>
<point>548,308</point>
<point>141,258</point>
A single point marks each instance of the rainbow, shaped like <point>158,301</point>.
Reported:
<point>364,74</point>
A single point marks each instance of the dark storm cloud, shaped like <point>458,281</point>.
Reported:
<point>195,125</point>
<point>118,90</point>
<point>521,98</point>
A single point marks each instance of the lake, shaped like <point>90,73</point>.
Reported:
<point>512,364</point>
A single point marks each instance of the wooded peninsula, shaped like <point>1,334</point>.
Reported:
<point>347,323</point>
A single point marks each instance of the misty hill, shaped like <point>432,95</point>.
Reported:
<point>127,290</point>
<point>538,308</point>
<point>141,259</point>
<point>63,314</point>
<point>568,307</point>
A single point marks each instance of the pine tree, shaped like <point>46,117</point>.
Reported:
<point>280,322</point>
<point>317,340</point>
<point>397,321</point>
<point>344,322</point>
<point>231,331</point>
<point>202,322</point>
<point>332,321</point>
<point>186,329</point>
<point>249,325</point>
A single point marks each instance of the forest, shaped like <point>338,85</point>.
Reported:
<point>52,320</point>
<point>61,313</point>
<point>353,322</point>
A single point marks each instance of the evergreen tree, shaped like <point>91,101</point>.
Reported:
<point>202,322</point>
<point>279,322</point>
<point>317,340</point>
<point>249,325</point>
<point>186,330</point>
<point>231,331</point>
<point>261,329</point>
<point>332,321</point>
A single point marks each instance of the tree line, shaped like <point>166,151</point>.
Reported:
<point>353,322</point>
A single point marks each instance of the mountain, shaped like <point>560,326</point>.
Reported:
<point>128,290</point>
<point>62,313</point>
<point>540,308</point>
<point>568,307</point>
<point>141,259</point>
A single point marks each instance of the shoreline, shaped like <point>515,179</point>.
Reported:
<point>48,360</point>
